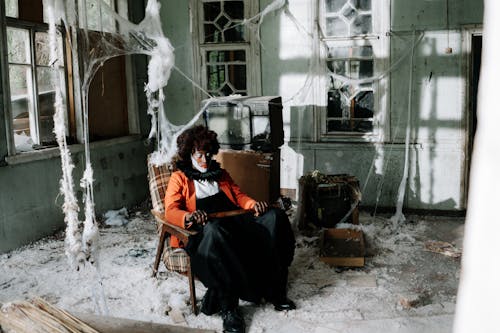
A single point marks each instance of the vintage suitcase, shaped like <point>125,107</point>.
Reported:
<point>256,173</point>
<point>326,200</point>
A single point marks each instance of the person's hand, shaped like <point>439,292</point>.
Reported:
<point>260,208</point>
<point>198,217</point>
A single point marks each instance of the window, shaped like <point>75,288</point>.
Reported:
<point>353,46</point>
<point>227,49</point>
<point>32,94</point>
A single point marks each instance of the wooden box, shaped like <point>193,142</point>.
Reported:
<point>342,247</point>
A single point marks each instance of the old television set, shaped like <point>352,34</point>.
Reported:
<point>244,122</point>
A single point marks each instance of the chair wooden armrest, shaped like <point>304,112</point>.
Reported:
<point>172,229</point>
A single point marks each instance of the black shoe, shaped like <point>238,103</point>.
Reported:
<point>232,321</point>
<point>284,304</point>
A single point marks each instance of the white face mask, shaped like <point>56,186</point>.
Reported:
<point>197,166</point>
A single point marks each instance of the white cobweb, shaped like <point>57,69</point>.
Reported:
<point>117,36</point>
<point>111,36</point>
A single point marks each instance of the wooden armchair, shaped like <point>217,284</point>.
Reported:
<point>175,259</point>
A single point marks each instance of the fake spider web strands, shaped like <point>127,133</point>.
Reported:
<point>73,240</point>
<point>379,77</point>
<point>274,6</point>
<point>398,217</point>
<point>167,133</point>
<point>121,37</point>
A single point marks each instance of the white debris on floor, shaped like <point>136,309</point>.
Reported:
<point>403,286</point>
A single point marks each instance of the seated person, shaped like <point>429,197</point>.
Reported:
<point>239,257</point>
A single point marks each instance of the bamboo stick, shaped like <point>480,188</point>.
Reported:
<point>38,316</point>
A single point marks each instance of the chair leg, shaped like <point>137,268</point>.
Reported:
<point>192,289</point>
<point>159,251</point>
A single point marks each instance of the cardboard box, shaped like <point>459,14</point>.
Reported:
<point>342,247</point>
<point>256,173</point>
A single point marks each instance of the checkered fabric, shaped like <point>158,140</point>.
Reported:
<point>175,259</point>
<point>159,176</point>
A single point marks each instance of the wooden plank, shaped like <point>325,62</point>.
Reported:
<point>120,325</point>
<point>344,261</point>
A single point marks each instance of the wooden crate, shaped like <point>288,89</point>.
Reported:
<point>342,247</point>
<point>326,202</point>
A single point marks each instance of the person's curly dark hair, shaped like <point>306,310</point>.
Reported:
<point>197,138</point>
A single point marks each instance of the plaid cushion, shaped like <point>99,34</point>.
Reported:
<point>175,259</point>
<point>158,176</point>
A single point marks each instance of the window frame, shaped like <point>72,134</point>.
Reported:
<point>32,28</point>
<point>380,43</point>
<point>73,88</point>
<point>251,47</point>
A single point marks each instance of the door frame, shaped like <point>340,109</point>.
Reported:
<point>468,32</point>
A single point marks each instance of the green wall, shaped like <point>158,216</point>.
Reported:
<point>438,158</point>
<point>30,203</point>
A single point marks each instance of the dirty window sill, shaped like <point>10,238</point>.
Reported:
<point>49,153</point>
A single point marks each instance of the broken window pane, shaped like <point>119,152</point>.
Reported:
<point>350,115</point>
<point>350,104</point>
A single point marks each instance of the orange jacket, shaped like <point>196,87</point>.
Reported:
<point>180,198</point>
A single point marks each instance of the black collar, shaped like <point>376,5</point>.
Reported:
<point>214,171</point>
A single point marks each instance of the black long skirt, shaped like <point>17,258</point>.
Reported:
<point>242,257</point>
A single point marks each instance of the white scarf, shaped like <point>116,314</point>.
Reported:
<point>204,188</point>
